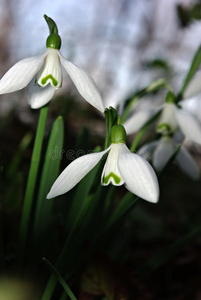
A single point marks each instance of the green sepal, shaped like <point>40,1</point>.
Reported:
<point>118,134</point>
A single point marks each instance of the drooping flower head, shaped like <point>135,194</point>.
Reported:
<point>121,167</point>
<point>43,75</point>
<point>173,117</point>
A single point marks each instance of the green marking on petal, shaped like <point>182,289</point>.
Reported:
<point>45,79</point>
<point>116,178</point>
<point>164,127</point>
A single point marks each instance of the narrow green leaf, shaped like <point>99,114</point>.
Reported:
<point>193,68</point>
<point>81,193</point>
<point>49,174</point>
<point>151,88</point>
<point>12,168</point>
<point>60,279</point>
<point>171,159</point>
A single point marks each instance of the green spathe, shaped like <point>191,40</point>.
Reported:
<point>53,41</point>
<point>116,178</point>
<point>118,134</point>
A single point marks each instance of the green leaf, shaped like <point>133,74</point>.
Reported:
<point>151,88</point>
<point>82,191</point>
<point>60,279</point>
<point>14,164</point>
<point>171,159</point>
<point>193,69</point>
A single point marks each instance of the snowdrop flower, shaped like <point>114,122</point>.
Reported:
<point>160,152</point>
<point>173,116</point>
<point>121,167</point>
<point>43,75</point>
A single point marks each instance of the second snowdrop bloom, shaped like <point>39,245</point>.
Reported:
<point>43,74</point>
<point>121,167</point>
<point>172,117</point>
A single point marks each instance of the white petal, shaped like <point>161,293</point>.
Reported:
<point>147,150</point>
<point>39,96</point>
<point>51,70</point>
<point>188,164</point>
<point>84,84</point>
<point>137,120</point>
<point>21,74</point>
<point>138,175</point>
<point>74,172</point>
<point>168,119</point>
<point>194,86</point>
<point>110,172</point>
<point>189,125</point>
<point>163,153</point>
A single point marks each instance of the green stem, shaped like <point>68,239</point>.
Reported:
<point>30,189</point>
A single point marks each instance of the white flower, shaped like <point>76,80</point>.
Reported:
<point>43,73</point>
<point>121,167</point>
<point>160,152</point>
<point>172,118</point>
<point>176,117</point>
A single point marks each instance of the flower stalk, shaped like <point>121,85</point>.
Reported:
<point>31,184</point>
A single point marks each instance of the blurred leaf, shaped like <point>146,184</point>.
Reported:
<point>60,279</point>
<point>188,14</point>
<point>154,86</point>
<point>158,64</point>
<point>82,191</point>
<point>192,70</point>
<point>13,194</point>
<point>171,159</point>
<point>13,166</point>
